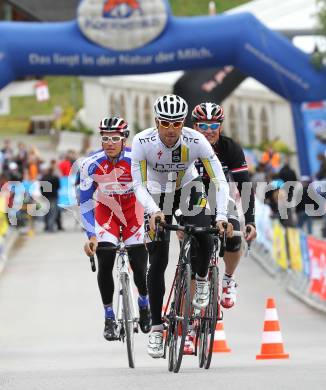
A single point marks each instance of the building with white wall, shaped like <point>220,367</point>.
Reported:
<point>17,88</point>
<point>132,97</point>
<point>253,112</point>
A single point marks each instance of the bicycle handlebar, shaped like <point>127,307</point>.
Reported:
<point>199,229</point>
<point>109,249</point>
<point>117,247</point>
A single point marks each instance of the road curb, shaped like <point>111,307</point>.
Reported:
<point>8,243</point>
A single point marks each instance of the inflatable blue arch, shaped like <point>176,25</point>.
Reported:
<point>121,37</point>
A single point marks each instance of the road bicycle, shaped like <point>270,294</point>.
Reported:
<point>126,313</point>
<point>179,313</point>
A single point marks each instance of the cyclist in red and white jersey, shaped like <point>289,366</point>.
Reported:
<point>108,205</point>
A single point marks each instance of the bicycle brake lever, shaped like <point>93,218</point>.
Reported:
<point>93,266</point>
<point>157,228</point>
<point>92,260</point>
<point>248,243</point>
<point>223,245</point>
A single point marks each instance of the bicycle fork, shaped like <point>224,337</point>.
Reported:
<point>131,299</point>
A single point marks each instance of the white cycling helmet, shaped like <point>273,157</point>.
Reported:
<point>171,108</point>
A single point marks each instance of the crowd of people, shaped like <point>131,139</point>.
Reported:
<point>22,169</point>
<point>286,189</point>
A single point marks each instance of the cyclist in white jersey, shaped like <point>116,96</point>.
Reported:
<point>163,165</point>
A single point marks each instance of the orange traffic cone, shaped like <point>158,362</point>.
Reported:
<point>272,344</point>
<point>220,339</point>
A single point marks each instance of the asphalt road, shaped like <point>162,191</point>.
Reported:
<point>51,323</point>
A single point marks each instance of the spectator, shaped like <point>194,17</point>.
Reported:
<point>304,220</point>
<point>276,199</point>
<point>4,190</point>
<point>13,172</point>
<point>321,174</point>
<point>52,196</point>
<point>7,154</point>
<point>65,165</point>
<point>271,160</point>
<point>33,164</point>
<point>72,156</point>
<point>1,161</point>
<point>21,158</point>
<point>259,176</point>
<point>288,174</point>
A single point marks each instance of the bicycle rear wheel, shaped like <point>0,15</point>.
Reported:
<point>128,321</point>
<point>208,322</point>
<point>180,313</point>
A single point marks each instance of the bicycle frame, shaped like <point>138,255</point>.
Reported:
<point>184,258</point>
<point>122,266</point>
<point>215,257</point>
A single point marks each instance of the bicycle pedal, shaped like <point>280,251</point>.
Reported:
<point>136,330</point>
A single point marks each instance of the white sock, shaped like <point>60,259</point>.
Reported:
<point>157,328</point>
<point>201,278</point>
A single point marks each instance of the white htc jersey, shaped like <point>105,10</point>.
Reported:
<point>155,168</point>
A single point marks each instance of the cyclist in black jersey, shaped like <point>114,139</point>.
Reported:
<point>208,120</point>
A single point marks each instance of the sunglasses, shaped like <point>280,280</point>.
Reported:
<point>206,126</point>
<point>114,139</point>
<point>167,124</point>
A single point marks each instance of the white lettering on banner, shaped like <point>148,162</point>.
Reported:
<point>190,54</point>
<point>70,60</point>
<point>37,59</point>
<point>87,60</point>
<point>125,59</point>
<point>162,57</point>
<point>106,61</point>
<point>122,24</point>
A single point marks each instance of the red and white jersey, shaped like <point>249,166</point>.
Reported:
<point>107,198</point>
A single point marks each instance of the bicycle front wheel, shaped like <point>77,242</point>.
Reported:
<point>179,318</point>
<point>208,322</point>
<point>128,321</point>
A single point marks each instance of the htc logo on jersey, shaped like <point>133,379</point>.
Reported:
<point>147,139</point>
<point>170,167</point>
<point>190,139</point>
